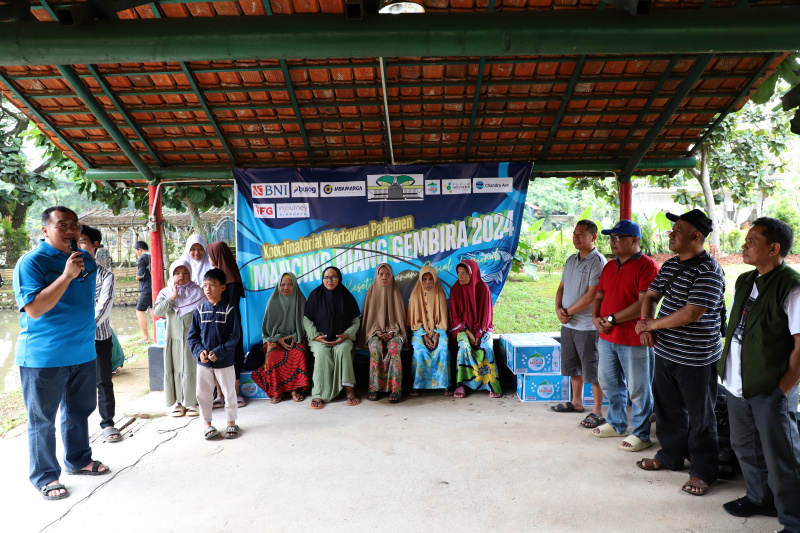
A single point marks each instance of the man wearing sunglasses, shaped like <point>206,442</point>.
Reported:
<point>623,358</point>
<point>55,351</point>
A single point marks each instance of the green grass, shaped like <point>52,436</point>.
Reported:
<point>527,306</point>
<point>133,350</point>
<point>12,411</point>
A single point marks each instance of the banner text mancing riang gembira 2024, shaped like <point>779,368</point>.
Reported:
<point>302,220</point>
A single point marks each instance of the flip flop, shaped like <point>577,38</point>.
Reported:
<point>111,435</point>
<point>44,489</point>
<point>696,483</point>
<point>316,403</point>
<point>636,444</point>
<point>606,430</point>
<point>592,421</point>
<point>95,471</point>
<point>232,432</point>
<point>566,408</point>
<point>650,465</point>
<point>353,401</point>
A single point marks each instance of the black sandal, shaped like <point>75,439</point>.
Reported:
<point>394,397</point>
<point>592,421</point>
<point>44,489</point>
<point>372,396</point>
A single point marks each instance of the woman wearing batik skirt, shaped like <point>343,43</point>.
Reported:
<point>470,315</point>
<point>383,333</point>
<point>427,316</point>
<point>331,322</point>
<point>177,302</point>
<point>285,347</point>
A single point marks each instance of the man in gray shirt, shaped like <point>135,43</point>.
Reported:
<point>578,335</point>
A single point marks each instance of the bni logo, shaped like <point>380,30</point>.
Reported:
<point>269,190</point>
<point>264,210</point>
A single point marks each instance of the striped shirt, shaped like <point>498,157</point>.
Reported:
<point>103,302</point>
<point>703,285</point>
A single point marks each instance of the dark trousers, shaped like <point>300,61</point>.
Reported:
<point>106,404</point>
<point>46,390</point>
<point>765,438</point>
<point>686,425</point>
<point>234,292</point>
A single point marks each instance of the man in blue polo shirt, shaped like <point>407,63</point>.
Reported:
<point>55,351</point>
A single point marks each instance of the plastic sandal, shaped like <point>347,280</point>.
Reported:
<point>232,432</point>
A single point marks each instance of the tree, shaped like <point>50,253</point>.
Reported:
<point>20,186</point>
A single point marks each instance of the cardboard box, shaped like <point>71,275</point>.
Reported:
<point>532,353</point>
<point>248,388</point>
<point>542,388</point>
<point>588,398</point>
<point>161,331</point>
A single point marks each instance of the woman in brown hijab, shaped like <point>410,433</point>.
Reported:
<point>427,317</point>
<point>383,333</point>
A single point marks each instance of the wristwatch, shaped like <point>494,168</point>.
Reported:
<point>611,320</point>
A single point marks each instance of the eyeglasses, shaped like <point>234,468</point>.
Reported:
<point>329,278</point>
<point>65,227</point>
<point>618,237</point>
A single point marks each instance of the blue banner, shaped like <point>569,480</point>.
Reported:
<point>303,220</point>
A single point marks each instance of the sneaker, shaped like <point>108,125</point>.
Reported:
<point>744,507</point>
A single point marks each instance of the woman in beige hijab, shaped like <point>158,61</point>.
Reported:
<point>427,317</point>
<point>383,333</point>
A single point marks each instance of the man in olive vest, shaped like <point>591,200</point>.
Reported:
<point>760,369</point>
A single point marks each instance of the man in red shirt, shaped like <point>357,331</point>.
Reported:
<point>624,362</point>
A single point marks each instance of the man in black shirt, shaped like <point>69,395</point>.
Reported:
<point>145,288</point>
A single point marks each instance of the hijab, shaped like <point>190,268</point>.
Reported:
<point>471,304</point>
<point>427,310</point>
<point>198,268</point>
<point>284,314</point>
<point>383,309</point>
<point>219,253</point>
<point>332,312</point>
<point>190,295</point>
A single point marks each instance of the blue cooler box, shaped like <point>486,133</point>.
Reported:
<point>543,388</point>
<point>532,353</point>
<point>248,388</point>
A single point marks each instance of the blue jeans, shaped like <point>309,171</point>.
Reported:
<point>633,366</point>
<point>72,388</point>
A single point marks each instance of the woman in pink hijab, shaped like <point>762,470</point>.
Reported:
<point>470,316</point>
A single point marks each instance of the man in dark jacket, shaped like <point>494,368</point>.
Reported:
<point>760,369</point>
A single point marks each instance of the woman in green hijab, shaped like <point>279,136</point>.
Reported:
<point>285,348</point>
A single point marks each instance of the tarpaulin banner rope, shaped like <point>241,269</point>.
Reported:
<point>354,218</point>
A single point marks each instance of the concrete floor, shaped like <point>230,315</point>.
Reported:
<point>431,463</point>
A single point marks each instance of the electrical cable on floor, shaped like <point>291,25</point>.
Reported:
<point>117,472</point>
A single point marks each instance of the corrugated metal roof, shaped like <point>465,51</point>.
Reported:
<point>527,108</point>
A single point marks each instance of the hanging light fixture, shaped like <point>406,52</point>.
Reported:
<point>395,7</point>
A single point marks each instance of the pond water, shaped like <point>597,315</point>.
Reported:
<point>123,320</point>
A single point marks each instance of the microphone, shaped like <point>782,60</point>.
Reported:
<point>73,247</point>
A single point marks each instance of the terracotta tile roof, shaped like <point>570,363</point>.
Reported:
<point>525,109</point>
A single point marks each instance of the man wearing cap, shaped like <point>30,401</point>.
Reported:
<point>688,342</point>
<point>623,358</point>
<point>760,369</point>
